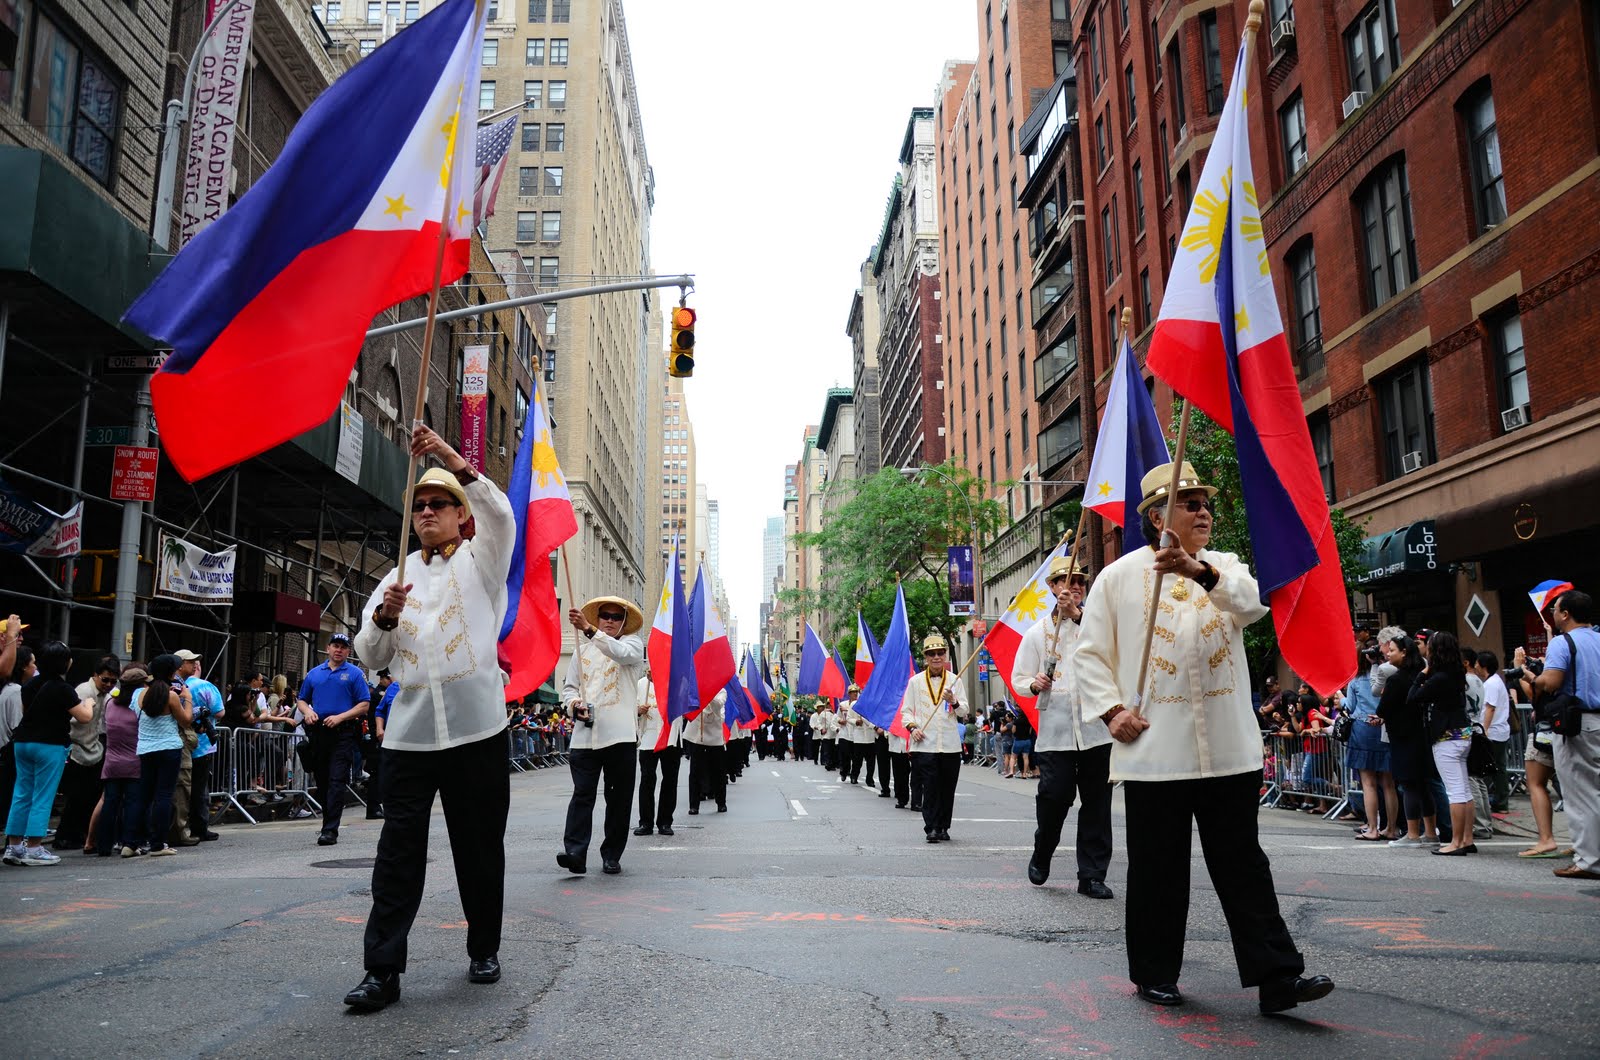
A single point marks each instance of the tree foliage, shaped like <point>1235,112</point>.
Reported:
<point>891,524</point>
<point>1211,450</point>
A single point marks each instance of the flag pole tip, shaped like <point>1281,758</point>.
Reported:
<point>1127,310</point>
<point>1258,8</point>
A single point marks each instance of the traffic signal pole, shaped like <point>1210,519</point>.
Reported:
<point>685,281</point>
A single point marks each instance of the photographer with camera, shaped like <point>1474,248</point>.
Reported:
<point>1571,678</point>
<point>192,804</point>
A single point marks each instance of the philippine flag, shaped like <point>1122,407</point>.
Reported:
<point>1219,342</point>
<point>866,651</point>
<point>713,658</point>
<point>672,657</point>
<point>1031,603</point>
<point>274,299</point>
<point>760,693</point>
<point>1129,444</point>
<point>820,674</point>
<point>881,697</point>
<point>1544,594</point>
<point>530,637</point>
<point>737,712</point>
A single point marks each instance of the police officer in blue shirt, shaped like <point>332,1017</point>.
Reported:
<point>332,700</point>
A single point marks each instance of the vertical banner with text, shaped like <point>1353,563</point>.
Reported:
<point>963,600</point>
<point>213,119</point>
<point>474,401</point>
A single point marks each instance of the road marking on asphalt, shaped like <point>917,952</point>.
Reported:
<point>798,809</point>
<point>776,773</point>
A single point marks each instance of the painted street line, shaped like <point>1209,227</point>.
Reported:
<point>798,809</point>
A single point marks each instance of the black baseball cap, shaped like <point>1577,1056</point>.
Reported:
<point>340,638</point>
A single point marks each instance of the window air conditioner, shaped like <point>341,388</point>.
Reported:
<point>1515,416</point>
<point>1412,461</point>
<point>1283,35</point>
<point>1354,102</point>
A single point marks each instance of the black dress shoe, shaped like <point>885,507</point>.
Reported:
<point>486,970</point>
<point>1094,888</point>
<point>572,864</point>
<point>1161,994</point>
<point>944,835</point>
<point>1280,995</point>
<point>212,837</point>
<point>884,795</point>
<point>374,815</point>
<point>916,807</point>
<point>899,805</point>
<point>693,810</point>
<point>327,839</point>
<point>665,829</point>
<point>611,866</point>
<point>722,807</point>
<point>643,830</point>
<point>374,992</point>
<point>1037,874</point>
<point>933,837</point>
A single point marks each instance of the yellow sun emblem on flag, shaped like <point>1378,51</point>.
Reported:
<point>1208,226</point>
<point>1030,603</point>
<point>1103,490</point>
<point>449,130</point>
<point>666,598</point>
<point>545,465</point>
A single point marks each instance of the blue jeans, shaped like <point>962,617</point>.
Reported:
<point>152,806</point>
<point>39,768</point>
<point>116,816</point>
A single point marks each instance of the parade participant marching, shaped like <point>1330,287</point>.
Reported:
<point>656,816</point>
<point>601,693</point>
<point>934,703</point>
<point>1074,755</point>
<point>847,749</point>
<point>707,747</point>
<point>878,755</point>
<point>1194,754</point>
<point>444,736</point>
<point>825,730</point>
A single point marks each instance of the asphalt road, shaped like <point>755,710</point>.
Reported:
<point>809,921</point>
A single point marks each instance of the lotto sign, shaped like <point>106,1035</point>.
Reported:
<point>133,473</point>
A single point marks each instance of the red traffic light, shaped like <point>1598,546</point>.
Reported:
<point>683,317</point>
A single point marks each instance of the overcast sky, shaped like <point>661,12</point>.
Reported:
<point>774,131</point>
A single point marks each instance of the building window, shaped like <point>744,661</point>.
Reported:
<point>335,10</point>
<point>413,10</point>
<point>1175,60</point>
<point>536,10</point>
<point>491,52</point>
<point>549,272</point>
<point>530,136</point>
<point>528,180</point>
<point>1211,50</point>
<point>555,137</point>
<point>1061,59</point>
<point>374,12</point>
<point>1483,147</point>
<point>1094,55</point>
<point>1061,440</point>
<point>1131,98</point>
<point>486,95</point>
<point>535,56</point>
<point>1144,295</point>
<point>1307,309</point>
<point>1051,289</point>
<point>1511,361</point>
<point>1102,148</point>
<point>367,46</point>
<point>1282,10</point>
<point>1292,126</point>
<point>72,97</point>
<point>1406,406</point>
<point>561,10</point>
<point>527,226</point>
<point>550,226</point>
<point>1322,445</point>
<point>494,10</point>
<point>533,94</point>
<point>1372,46</point>
<point>558,93</point>
<point>1385,208</point>
<point>1138,196</point>
<point>1106,236</point>
<point>552,179</point>
<point>558,52</point>
<point>1056,363</point>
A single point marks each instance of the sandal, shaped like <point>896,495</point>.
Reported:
<point>1533,852</point>
<point>1365,838</point>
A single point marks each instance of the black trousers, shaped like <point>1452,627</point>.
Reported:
<point>200,795</point>
<point>938,777</point>
<point>651,813</point>
<point>879,752</point>
<point>900,764</point>
<point>331,763</point>
<point>81,787</point>
<point>1088,775</point>
<point>475,789</point>
<point>1161,815</point>
<point>372,755</point>
<point>868,755</point>
<point>708,777</point>
<point>617,763</point>
<point>850,762</point>
<point>825,754</point>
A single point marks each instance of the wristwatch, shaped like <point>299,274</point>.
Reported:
<point>385,624</point>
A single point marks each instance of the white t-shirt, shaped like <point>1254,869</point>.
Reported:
<point>1495,695</point>
<point>1475,699</point>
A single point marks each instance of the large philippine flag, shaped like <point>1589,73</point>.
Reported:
<point>1128,445</point>
<point>671,653</point>
<point>1032,602</point>
<point>530,636</point>
<point>713,658</point>
<point>737,711</point>
<point>866,651</point>
<point>880,699</point>
<point>274,298</point>
<point>820,673</point>
<point>760,691</point>
<point>1219,342</point>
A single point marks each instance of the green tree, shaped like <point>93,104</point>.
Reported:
<point>894,524</point>
<point>1211,450</point>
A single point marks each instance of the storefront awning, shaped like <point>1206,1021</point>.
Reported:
<point>1409,549</point>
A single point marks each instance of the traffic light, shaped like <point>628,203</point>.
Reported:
<point>680,354</point>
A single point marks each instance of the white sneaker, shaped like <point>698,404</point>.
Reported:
<point>1406,841</point>
<point>39,856</point>
<point>15,855</point>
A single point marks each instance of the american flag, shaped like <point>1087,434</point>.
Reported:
<point>494,150</point>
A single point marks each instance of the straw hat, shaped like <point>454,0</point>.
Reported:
<point>440,479</point>
<point>1154,484</point>
<point>630,624</point>
<point>1061,566</point>
<point>934,642</point>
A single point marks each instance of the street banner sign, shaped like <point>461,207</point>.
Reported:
<point>352,442</point>
<point>963,599</point>
<point>189,572</point>
<point>474,402</point>
<point>29,528</point>
<point>133,473</point>
<point>220,78</point>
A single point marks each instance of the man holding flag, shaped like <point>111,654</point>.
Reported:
<point>934,703</point>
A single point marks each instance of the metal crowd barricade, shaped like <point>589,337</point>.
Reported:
<point>1306,770</point>
<point>1516,769</point>
<point>259,762</point>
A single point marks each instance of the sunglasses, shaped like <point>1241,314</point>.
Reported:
<point>1194,505</point>
<point>612,616</point>
<point>437,504</point>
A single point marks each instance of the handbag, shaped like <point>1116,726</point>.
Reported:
<point>1480,756</point>
<point>1343,725</point>
<point>1563,711</point>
